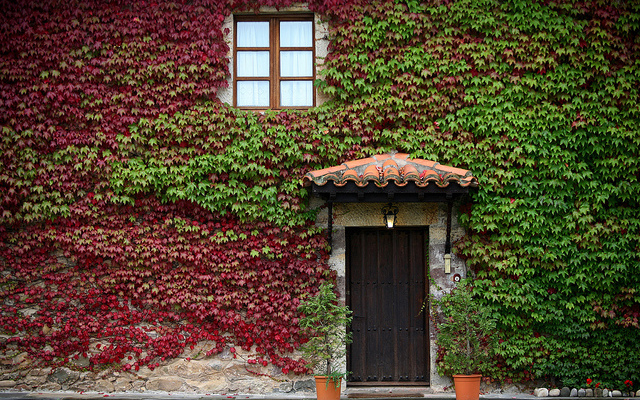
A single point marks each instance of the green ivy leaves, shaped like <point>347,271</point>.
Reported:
<point>225,163</point>
<point>541,103</point>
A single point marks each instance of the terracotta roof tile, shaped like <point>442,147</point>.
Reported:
<point>350,174</point>
<point>389,163</point>
<point>425,163</point>
<point>397,169</point>
<point>409,172</point>
<point>357,163</point>
<point>371,173</point>
<point>330,170</point>
<point>451,169</point>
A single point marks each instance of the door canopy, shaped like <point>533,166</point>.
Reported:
<point>392,177</point>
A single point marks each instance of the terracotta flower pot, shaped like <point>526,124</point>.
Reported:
<point>326,389</point>
<point>467,386</point>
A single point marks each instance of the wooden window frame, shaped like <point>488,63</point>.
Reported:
<point>274,48</point>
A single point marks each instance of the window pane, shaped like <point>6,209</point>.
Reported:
<point>253,63</point>
<point>296,63</point>
<point>253,33</point>
<point>296,94</point>
<point>296,33</point>
<point>253,93</point>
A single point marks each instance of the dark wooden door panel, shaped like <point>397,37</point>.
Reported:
<point>386,288</point>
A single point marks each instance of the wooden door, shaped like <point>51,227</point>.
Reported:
<point>386,287</point>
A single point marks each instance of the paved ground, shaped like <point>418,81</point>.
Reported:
<point>178,396</point>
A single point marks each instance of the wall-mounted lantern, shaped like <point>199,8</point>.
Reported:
<point>389,213</point>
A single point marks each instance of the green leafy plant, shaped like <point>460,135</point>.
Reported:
<point>326,322</point>
<point>466,333</point>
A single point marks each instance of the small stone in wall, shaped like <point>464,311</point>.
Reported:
<point>589,392</point>
<point>574,392</point>
<point>211,384</point>
<point>104,385</point>
<point>582,393</point>
<point>565,392</point>
<point>554,393</point>
<point>216,366</point>
<point>83,386</point>
<point>616,393</point>
<point>165,384</point>
<point>51,386</point>
<point>7,383</point>
<point>305,385</point>
<point>638,393</point>
<point>81,362</point>
<point>605,393</point>
<point>598,392</point>
<point>21,358</point>
<point>64,375</point>
<point>40,371</point>
<point>122,384</point>
<point>34,380</point>
<point>285,387</point>
<point>12,376</point>
<point>192,369</point>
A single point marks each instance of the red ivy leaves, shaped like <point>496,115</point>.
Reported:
<point>76,74</point>
<point>131,285</point>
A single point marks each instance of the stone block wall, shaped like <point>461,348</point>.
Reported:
<point>191,373</point>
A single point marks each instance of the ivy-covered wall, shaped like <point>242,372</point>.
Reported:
<point>141,216</point>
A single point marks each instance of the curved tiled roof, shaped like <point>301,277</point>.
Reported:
<point>397,169</point>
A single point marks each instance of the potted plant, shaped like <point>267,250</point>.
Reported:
<point>325,320</point>
<point>466,333</point>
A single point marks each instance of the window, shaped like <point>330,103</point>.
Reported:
<point>274,61</point>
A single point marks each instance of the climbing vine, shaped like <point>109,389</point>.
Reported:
<point>141,216</point>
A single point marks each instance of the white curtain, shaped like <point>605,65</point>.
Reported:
<point>296,33</point>
<point>296,94</point>
<point>252,64</point>
<point>296,63</point>
<point>253,33</point>
<point>252,93</point>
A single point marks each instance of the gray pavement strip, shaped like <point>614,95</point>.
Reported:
<point>183,396</point>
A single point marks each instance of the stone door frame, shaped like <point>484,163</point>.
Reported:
<point>433,215</point>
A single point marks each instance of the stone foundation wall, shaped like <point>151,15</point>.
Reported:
<point>221,374</point>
